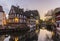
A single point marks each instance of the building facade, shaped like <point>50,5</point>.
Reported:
<point>49,14</point>
<point>57,16</point>
<point>57,19</point>
<point>32,17</point>
<point>2,17</point>
<point>16,17</point>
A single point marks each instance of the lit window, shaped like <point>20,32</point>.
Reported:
<point>16,19</point>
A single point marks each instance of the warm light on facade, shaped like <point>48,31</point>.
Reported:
<point>52,33</point>
<point>37,21</point>
<point>43,19</point>
<point>16,19</point>
<point>8,21</point>
<point>53,21</point>
<point>16,38</point>
<point>4,22</point>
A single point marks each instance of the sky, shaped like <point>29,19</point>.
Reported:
<point>41,5</point>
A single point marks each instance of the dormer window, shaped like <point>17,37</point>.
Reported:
<point>24,16</point>
<point>31,14</point>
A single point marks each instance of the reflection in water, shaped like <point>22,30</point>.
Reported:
<point>7,38</point>
<point>45,35</point>
<point>16,38</point>
<point>2,37</point>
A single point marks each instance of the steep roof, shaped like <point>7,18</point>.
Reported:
<point>32,13</point>
<point>16,9</point>
<point>1,9</point>
<point>57,10</point>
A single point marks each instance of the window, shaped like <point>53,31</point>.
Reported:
<point>20,20</point>
<point>21,12</point>
<point>57,24</point>
<point>24,16</point>
<point>17,15</point>
<point>20,16</point>
<point>31,14</point>
<point>24,20</point>
<point>13,20</point>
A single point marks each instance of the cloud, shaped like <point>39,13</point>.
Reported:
<point>5,5</point>
<point>41,5</point>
